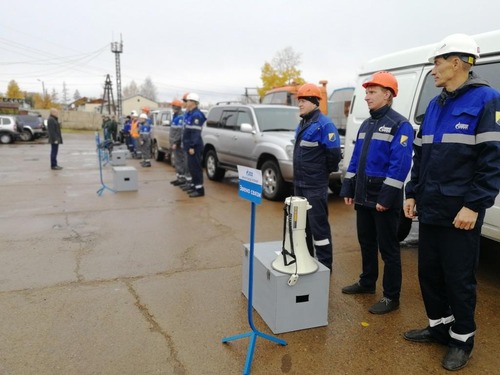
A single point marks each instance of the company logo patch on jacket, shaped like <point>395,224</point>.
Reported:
<point>384,129</point>
<point>404,140</point>
<point>196,121</point>
<point>497,117</point>
<point>332,137</point>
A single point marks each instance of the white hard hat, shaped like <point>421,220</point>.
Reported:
<point>133,113</point>
<point>143,115</point>
<point>194,97</point>
<point>460,44</point>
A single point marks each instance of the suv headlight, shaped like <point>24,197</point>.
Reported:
<point>289,151</point>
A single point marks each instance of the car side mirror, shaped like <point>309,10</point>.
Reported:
<point>246,128</point>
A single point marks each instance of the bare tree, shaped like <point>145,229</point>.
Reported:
<point>65,95</point>
<point>130,90</point>
<point>286,61</point>
<point>148,89</point>
<point>76,95</point>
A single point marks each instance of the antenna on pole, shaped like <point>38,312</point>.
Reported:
<point>117,48</point>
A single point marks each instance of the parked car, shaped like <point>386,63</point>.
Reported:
<point>160,135</point>
<point>10,129</point>
<point>33,127</point>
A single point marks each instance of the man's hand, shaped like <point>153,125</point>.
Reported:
<point>348,201</point>
<point>380,208</point>
<point>191,151</point>
<point>465,219</point>
<point>409,208</point>
<point>174,146</point>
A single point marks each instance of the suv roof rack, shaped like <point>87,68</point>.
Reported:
<point>230,102</point>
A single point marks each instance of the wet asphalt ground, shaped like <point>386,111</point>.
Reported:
<point>149,282</point>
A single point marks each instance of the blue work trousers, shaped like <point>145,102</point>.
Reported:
<point>379,231</point>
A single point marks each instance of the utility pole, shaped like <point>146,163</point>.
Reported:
<point>108,96</point>
<point>117,48</point>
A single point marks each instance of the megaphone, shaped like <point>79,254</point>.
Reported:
<point>295,258</point>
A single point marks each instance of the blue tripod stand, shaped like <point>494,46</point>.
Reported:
<point>254,333</point>
<point>100,156</point>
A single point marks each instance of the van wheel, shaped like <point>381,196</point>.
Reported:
<point>158,155</point>
<point>404,227</point>
<point>214,172</point>
<point>273,185</point>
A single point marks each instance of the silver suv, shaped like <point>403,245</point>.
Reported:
<point>257,136</point>
<point>160,134</point>
<point>10,129</point>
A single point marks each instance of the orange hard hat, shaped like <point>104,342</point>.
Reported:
<point>384,79</point>
<point>176,103</point>
<point>146,109</point>
<point>309,89</point>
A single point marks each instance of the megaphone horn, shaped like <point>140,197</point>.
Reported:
<point>295,257</point>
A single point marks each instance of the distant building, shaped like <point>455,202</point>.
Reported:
<point>135,103</point>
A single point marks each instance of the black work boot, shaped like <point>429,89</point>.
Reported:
<point>456,358</point>
<point>357,288</point>
<point>197,193</point>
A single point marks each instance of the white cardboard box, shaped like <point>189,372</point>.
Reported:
<point>125,179</point>
<point>285,308</point>
<point>118,157</point>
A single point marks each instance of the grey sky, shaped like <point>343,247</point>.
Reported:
<point>216,47</point>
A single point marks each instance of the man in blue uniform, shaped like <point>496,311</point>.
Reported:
<point>374,182</point>
<point>316,154</point>
<point>145,139</point>
<point>193,144</point>
<point>454,179</point>
<point>175,137</point>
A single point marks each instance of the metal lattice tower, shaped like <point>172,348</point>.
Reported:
<point>117,48</point>
<point>108,96</point>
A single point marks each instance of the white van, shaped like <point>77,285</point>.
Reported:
<point>416,88</point>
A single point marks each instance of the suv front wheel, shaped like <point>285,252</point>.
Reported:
<point>26,135</point>
<point>273,184</point>
<point>214,172</point>
<point>157,154</point>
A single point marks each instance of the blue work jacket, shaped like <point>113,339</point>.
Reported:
<point>457,154</point>
<point>193,121</point>
<point>316,152</point>
<point>380,161</point>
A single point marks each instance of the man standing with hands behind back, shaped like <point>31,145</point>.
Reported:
<point>55,138</point>
<point>315,155</point>
<point>454,179</point>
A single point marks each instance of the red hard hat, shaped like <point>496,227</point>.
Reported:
<point>309,89</point>
<point>384,79</point>
<point>176,103</point>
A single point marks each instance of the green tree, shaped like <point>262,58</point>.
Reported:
<point>281,71</point>
<point>13,91</point>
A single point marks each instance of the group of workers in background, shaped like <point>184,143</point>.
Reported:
<point>185,140</point>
